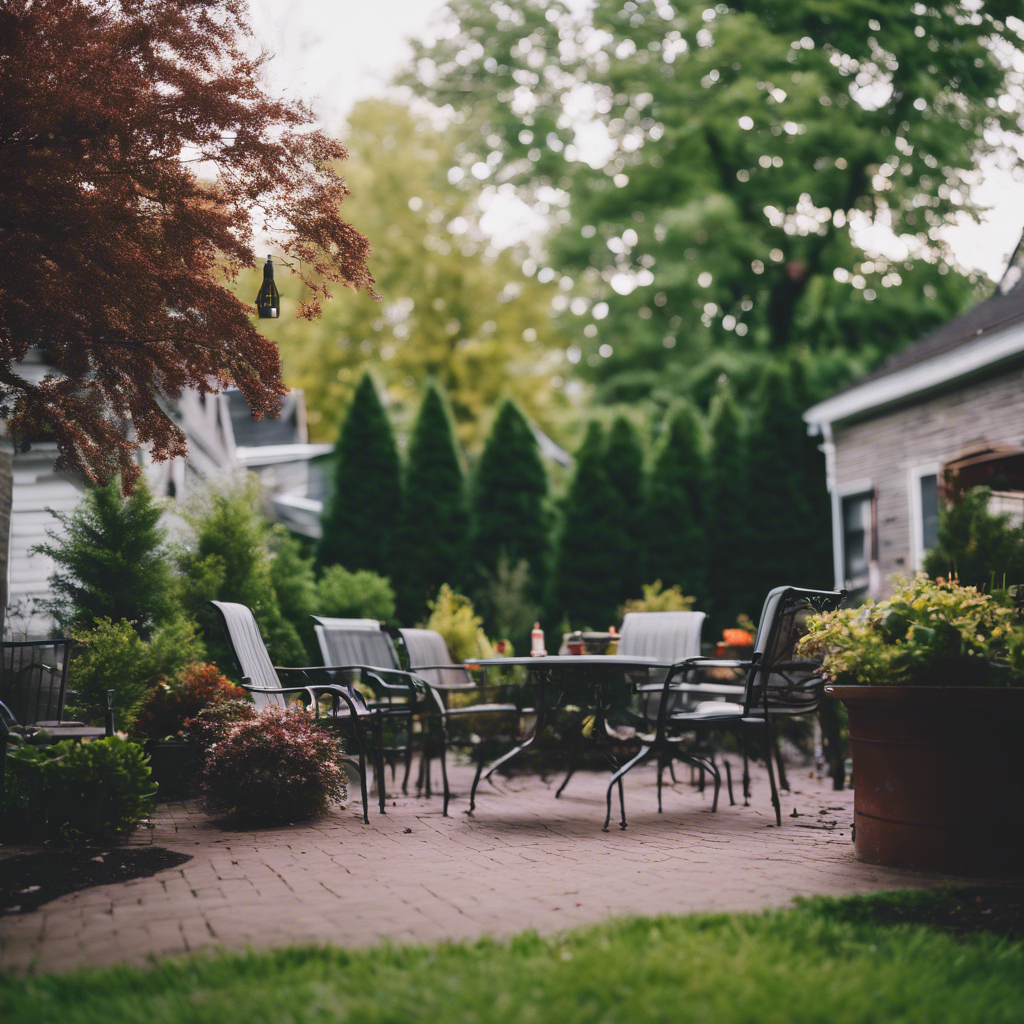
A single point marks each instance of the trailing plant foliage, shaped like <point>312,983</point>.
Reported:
<point>433,531</point>
<point>279,766</point>
<point>979,548</point>
<point>592,544</point>
<point>929,633</point>
<point>172,702</point>
<point>509,501</point>
<point>79,792</point>
<point>361,515</point>
<point>109,561</point>
<point>354,595</point>
<point>112,656</point>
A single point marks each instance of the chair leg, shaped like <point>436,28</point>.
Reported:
<point>672,771</point>
<point>776,803</point>
<point>565,781</point>
<point>361,743</point>
<point>746,772</point>
<point>642,756</point>
<point>661,772</point>
<point>378,728</point>
<point>622,804</point>
<point>408,755</point>
<point>780,765</point>
<point>442,726</point>
<point>476,780</point>
<point>728,781</point>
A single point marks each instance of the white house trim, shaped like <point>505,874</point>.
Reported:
<point>989,350</point>
<point>916,512</point>
<point>864,486</point>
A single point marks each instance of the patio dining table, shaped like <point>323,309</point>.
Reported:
<point>596,684</point>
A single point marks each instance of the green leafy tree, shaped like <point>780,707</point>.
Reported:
<point>675,513</point>
<point>733,522</point>
<point>592,544</point>
<point>361,515</point>
<point>110,561</point>
<point>228,558</point>
<point>624,464</point>
<point>979,547</point>
<point>434,531</point>
<point>745,149</point>
<point>354,595</point>
<point>509,497</point>
<point>455,308</point>
<point>294,581</point>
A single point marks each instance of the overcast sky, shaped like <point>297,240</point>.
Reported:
<point>332,53</point>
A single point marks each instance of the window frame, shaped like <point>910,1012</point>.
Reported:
<point>855,488</point>
<point>914,476</point>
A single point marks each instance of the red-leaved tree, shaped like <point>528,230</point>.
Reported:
<point>139,153</point>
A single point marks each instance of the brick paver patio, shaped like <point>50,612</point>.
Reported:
<point>525,860</point>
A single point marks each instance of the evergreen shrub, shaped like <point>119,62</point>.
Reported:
<point>354,595</point>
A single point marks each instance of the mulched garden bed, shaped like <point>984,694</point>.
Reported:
<point>28,880</point>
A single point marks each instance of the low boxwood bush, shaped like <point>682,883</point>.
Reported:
<point>76,791</point>
<point>277,766</point>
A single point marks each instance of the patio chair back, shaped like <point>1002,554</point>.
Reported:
<point>665,636</point>
<point>428,647</point>
<point>355,642</point>
<point>250,652</point>
<point>33,678</point>
<point>785,681</point>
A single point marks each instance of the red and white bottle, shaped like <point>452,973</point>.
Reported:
<point>537,642</point>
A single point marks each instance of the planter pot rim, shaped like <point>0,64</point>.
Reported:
<point>977,695</point>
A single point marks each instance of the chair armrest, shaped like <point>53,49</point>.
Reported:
<point>718,689</point>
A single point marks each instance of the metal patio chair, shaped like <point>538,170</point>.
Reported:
<point>430,659</point>
<point>777,683</point>
<point>263,680</point>
<point>364,646</point>
<point>33,679</point>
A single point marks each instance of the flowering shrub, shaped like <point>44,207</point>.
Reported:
<point>214,722</point>
<point>929,633</point>
<point>737,638</point>
<point>275,767</point>
<point>172,702</point>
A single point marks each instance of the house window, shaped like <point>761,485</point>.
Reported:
<point>924,511</point>
<point>855,513</point>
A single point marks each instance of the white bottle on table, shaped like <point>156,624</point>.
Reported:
<point>537,642</point>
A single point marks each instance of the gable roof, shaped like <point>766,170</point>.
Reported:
<point>990,333</point>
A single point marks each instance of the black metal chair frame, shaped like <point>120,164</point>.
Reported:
<point>761,700</point>
<point>14,673</point>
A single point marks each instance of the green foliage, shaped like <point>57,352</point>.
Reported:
<point>361,515</point>
<point>110,561</point>
<point>825,960</point>
<point>675,513</point>
<point>112,656</point>
<point>624,464</point>
<point>732,529</point>
<point>81,792</point>
<point>354,595</point>
<point>784,498</point>
<point>926,634</point>
<point>657,599</point>
<point>978,548</point>
<point>507,595</point>
<point>509,497</point>
<point>295,585</point>
<point>748,144</point>
<point>228,558</point>
<point>433,535</point>
<point>452,616</point>
<point>593,544</point>
<point>456,310</point>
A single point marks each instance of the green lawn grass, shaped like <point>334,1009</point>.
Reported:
<point>824,961</point>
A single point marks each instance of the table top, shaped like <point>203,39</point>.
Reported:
<point>72,732</point>
<point>608,661</point>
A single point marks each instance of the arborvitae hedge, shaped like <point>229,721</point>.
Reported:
<point>433,533</point>
<point>361,515</point>
<point>624,464</point>
<point>109,563</point>
<point>593,545</point>
<point>509,501</point>
<point>731,504</point>
<point>675,517</point>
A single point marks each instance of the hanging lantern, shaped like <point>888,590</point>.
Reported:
<point>268,302</point>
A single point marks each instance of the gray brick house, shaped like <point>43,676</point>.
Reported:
<point>944,415</point>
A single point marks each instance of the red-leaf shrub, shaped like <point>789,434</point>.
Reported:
<point>278,766</point>
<point>172,702</point>
<point>213,723</point>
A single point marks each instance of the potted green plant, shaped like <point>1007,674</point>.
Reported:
<point>933,680</point>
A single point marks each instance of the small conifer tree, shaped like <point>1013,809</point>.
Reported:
<point>674,516</point>
<point>729,509</point>
<point>509,495</point>
<point>433,534</point>
<point>624,464</point>
<point>362,512</point>
<point>592,546</point>
<point>109,561</point>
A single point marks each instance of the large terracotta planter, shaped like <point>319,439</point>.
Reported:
<point>938,777</point>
